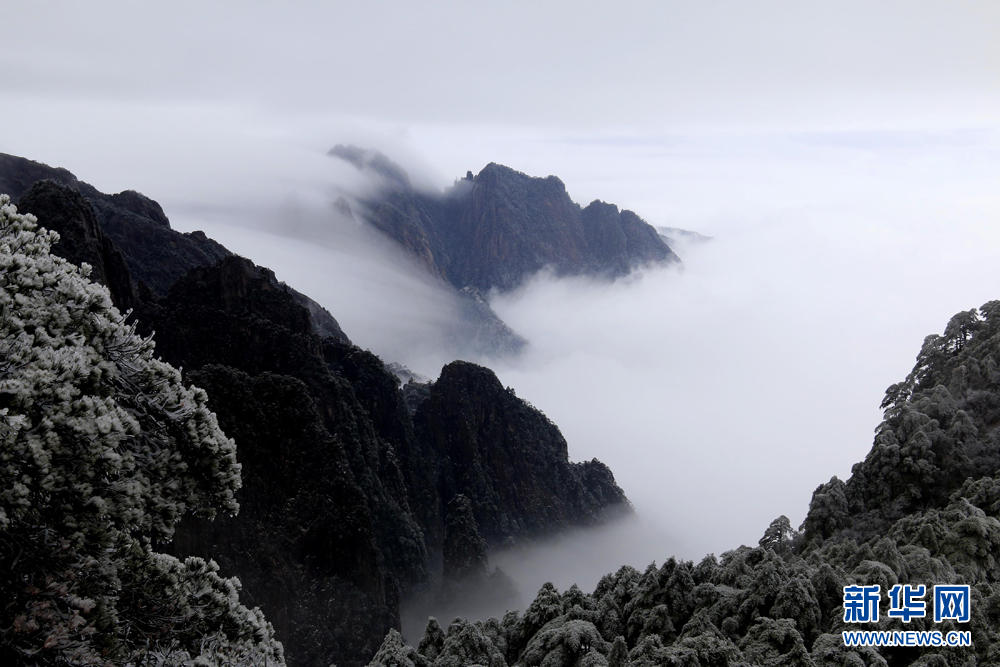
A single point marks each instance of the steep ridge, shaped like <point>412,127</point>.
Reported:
<point>500,227</point>
<point>66,211</point>
<point>344,502</point>
<point>507,458</point>
<point>922,509</point>
<point>155,254</point>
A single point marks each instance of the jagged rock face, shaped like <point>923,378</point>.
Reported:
<point>404,462</point>
<point>513,226</point>
<point>464,548</point>
<point>619,241</point>
<point>508,458</point>
<point>17,174</point>
<point>66,211</point>
<point>467,576</point>
<point>500,227</point>
<point>415,393</point>
<point>303,543</point>
<point>252,319</point>
<point>141,205</point>
<point>156,255</point>
<point>232,316</point>
<point>252,346</point>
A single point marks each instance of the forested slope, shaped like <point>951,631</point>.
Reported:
<point>923,508</point>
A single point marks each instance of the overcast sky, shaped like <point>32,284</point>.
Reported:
<point>844,155</point>
<point>557,64</point>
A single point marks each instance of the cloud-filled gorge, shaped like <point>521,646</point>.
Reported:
<point>722,392</point>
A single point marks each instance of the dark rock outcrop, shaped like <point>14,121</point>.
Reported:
<point>141,205</point>
<point>464,548</point>
<point>65,210</point>
<point>467,578</point>
<point>620,241</point>
<point>303,543</point>
<point>17,174</point>
<point>498,228</point>
<point>156,255</point>
<point>508,458</point>
<point>234,315</point>
<point>415,393</point>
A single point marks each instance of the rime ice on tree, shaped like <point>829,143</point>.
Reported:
<point>103,449</point>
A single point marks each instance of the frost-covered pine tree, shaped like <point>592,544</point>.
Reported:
<point>102,451</point>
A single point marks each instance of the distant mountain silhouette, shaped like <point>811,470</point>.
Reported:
<point>500,227</point>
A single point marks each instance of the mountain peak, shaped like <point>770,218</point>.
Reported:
<point>509,226</point>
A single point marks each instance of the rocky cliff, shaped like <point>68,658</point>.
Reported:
<point>82,240</point>
<point>346,494</point>
<point>155,254</point>
<point>499,227</point>
<point>507,458</point>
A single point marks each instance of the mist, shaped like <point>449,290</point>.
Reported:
<point>720,392</point>
<point>381,299</point>
<point>574,557</point>
<point>844,158</point>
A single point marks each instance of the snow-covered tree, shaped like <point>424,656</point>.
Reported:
<point>102,450</point>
